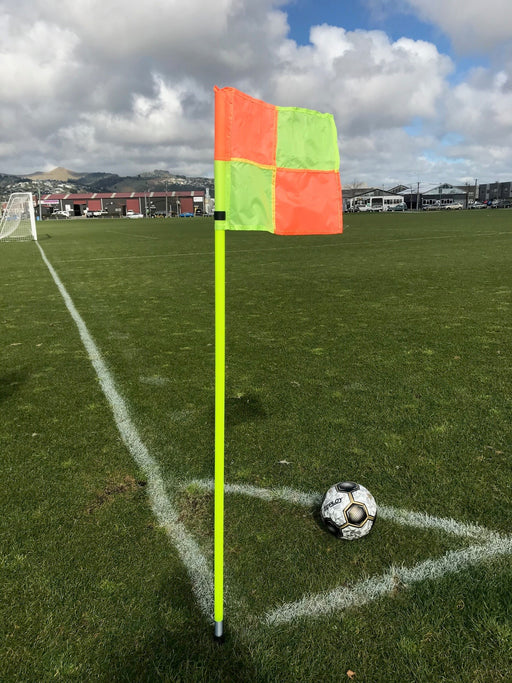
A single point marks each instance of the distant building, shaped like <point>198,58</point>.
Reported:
<point>491,191</point>
<point>351,192</point>
<point>444,194</point>
<point>118,203</point>
<point>410,195</point>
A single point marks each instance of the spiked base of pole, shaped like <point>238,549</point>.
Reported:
<point>219,632</point>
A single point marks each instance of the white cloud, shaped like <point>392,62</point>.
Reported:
<point>127,87</point>
<point>29,69</point>
<point>370,83</point>
<point>480,110</point>
<point>472,25</point>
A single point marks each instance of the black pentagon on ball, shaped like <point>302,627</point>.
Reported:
<point>347,486</point>
<point>356,514</point>
<point>333,528</point>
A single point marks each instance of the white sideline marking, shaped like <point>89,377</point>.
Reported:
<point>132,234</point>
<point>136,258</point>
<point>298,246</point>
<point>251,251</point>
<point>189,552</point>
<point>394,578</point>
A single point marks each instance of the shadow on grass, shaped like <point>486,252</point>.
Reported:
<point>244,408</point>
<point>241,409</point>
<point>317,518</point>
<point>179,646</point>
<point>10,382</point>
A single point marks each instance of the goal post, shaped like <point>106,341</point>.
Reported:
<point>18,221</point>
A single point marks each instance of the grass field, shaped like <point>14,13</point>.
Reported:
<point>381,356</point>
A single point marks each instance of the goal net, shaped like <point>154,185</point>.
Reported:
<point>18,221</point>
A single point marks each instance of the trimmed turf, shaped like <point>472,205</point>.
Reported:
<point>382,356</point>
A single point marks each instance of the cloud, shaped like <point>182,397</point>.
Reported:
<point>486,102</point>
<point>369,82</point>
<point>28,69</point>
<point>127,87</point>
<point>480,110</point>
<point>471,25</point>
<point>95,76</point>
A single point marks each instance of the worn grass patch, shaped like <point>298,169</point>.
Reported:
<point>125,487</point>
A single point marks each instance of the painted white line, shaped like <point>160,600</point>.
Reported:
<point>132,234</point>
<point>396,578</point>
<point>284,493</point>
<point>199,572</point>
<point>251,251</point>
<point>421,520</point>
<point>154,381</point>
<point>492,545</point>
<point>341,243</point>
<point>139,257</point>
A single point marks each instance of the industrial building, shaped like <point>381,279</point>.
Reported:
<point>171,203</point>
<point>445,194</point>
<point>441,195</point>
<point>495,191</point>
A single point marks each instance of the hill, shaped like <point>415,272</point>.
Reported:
<point>63,180</point>
<point>59,173</point>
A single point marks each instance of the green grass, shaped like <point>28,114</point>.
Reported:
<point>382,356</point>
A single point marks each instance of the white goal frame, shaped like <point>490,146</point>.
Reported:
<point>18,221</point>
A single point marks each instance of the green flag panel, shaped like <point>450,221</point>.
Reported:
<point>251,206</point>
<point>306,139</point>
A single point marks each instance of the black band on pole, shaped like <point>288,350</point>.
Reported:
<point>219,215</point>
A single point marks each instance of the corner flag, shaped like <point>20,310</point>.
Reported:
<point>276,169</point>
<point>279,167</point>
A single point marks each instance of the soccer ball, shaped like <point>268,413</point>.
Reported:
<point>349,510</point>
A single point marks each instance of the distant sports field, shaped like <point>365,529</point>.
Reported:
<point>382,356</point>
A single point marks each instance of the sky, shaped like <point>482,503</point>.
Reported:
<point>421,90</point>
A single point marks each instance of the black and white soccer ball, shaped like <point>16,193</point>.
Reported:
<point>349,510</point>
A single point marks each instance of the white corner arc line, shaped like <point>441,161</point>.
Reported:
<point>284,493</point>
<point>421,520</point>
<point>195,562</point>
<point>366,591</point>
<point>492,545</point>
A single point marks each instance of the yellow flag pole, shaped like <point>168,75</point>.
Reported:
<point>220,390</point>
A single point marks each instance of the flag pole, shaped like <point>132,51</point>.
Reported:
<point>246,138</point>
<point>220,390</point>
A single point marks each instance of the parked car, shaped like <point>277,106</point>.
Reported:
<point>502,204</point>
<point>400,207</point>
<point>478,205</point>
<point>431,207</point>
<point>368,208</point>
<point>187,214</point>
<point>454,206</point>
<point>133,214</point>
<point>56,215</point>
<point>96,214</point>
